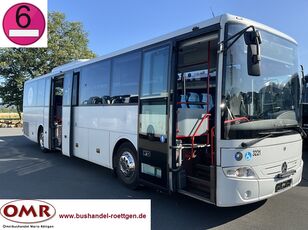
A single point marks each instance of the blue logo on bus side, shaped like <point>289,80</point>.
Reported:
<point>248,156</point>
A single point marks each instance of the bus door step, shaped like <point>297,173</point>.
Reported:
<point>198,184</point>
<point>197,195</point>
<point>202,184</point>
<point>203,172</point>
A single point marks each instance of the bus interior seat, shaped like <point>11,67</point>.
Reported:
<point>106,100</point>
<point>189,120</point>
<point>194,97</point>
<point>123,99</point>
<point>133,99</point>
<point>183,101</point>
<point>95,100</point>
<point>189,116</point>
<point>204,100</point>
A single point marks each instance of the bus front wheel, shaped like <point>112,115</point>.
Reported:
<point>127,166</point>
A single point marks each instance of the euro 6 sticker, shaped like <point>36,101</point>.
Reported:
<point>24,23</point>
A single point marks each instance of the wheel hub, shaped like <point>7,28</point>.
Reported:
<point>127,164</point>
<point>42,140</point>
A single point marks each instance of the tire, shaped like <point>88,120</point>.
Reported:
<point>127,165</point>
<point>41,141</point>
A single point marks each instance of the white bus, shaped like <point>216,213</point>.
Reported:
<point>210,111</point>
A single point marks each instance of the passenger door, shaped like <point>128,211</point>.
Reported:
<point>153,141</point>
<point>67,113</point>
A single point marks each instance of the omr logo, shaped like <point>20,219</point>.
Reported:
<point>27,211</point>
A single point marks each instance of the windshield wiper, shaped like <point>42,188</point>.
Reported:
<point>299,130</point>
<point>265,135</point>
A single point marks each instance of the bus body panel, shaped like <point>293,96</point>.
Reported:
<point>231,191</point>
<point>97,135</point>
<point>115,137</point>
<point>81,143</point>
<point>121,119</point>
<point>263,154</point>
<point>266,161</point>
<point>66,130</point>
<point>34,116</point>
<point>267,186</point>
<point>99,151</point>
<point>33,111</point>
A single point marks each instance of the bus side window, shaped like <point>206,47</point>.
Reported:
<point>125,77</point>
<point>75,93</point>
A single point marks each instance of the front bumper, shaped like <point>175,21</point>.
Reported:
<point>234,192</point>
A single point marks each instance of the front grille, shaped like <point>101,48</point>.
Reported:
<point>275,169</point>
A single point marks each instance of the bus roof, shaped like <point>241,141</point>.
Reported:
<point>222,19</point>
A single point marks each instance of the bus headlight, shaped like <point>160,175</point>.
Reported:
<point>240,172</point>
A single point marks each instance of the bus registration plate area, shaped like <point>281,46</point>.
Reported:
<point>283,185</point>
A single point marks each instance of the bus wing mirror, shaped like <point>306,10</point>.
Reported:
<point>253,41</point>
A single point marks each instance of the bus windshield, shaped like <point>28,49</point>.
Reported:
<point>270,102</point>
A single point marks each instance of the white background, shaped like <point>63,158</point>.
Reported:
<point>71,206</point>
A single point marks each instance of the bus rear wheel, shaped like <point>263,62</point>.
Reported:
<point>127,166</point>
<point>41,141</point>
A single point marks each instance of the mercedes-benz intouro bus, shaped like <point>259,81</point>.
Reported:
<point>210,111</point>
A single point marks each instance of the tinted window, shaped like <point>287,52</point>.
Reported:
<point>94,84</point>
<point>47,91</point>
<point>153,117</point>
<point>41,92</point>
<point>75,89</point>
<point>155,72</point>
<point>67,88</point>
<point>125,78</point>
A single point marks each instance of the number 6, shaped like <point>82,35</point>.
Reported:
<point>18,16</point>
